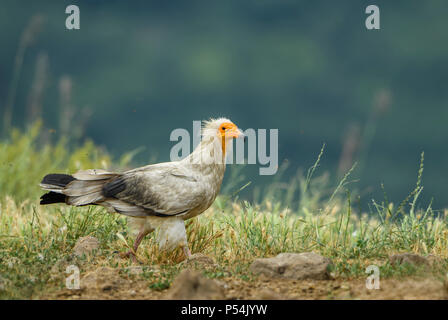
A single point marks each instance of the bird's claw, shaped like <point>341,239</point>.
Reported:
<point>187,252</point>
<point>129,254</point>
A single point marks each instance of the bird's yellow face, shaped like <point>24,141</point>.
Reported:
<point>229,130</point>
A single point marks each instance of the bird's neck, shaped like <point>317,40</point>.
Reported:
<point>209,153</point>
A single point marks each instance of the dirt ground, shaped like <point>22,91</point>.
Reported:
<point>108,283</point>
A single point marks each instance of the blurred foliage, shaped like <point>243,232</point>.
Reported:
<point>25,161</point>
<point>137,70</point>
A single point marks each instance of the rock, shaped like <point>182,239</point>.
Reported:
<point>435,261</point>
<point>409,258</point>
<point>103,279</point>
<point>191,285</point>
<point>298,266</point>
<point>86,246</point>
<point>199,261</point>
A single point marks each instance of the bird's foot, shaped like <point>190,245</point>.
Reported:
<point>129,254</point>
<point>187,252</point>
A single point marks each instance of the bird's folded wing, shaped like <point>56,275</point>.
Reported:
<point>159,191</point>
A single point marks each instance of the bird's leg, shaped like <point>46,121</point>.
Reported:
<point>138,240</point>
<point>187,251</point>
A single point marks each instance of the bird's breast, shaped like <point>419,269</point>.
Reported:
<point>210,181</point>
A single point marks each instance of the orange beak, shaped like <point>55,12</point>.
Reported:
<point>234,132</point>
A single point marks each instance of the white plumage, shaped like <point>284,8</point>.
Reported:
<point>159,196</point>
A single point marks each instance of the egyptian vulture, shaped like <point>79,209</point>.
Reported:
<point>157,196</point>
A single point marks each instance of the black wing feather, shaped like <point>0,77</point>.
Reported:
<point>112,188</point>
<point>57,179</point>
<point>52,197</point>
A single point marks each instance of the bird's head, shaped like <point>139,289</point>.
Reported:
<point>223,129</point>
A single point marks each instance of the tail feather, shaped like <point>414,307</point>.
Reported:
<point>94,174</point>
<point>79,189</point>
<point>57,179</point>
<point>52,197</point>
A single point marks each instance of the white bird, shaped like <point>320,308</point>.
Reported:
<point>158,196</point>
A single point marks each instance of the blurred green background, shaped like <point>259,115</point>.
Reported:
<point>136,70</point>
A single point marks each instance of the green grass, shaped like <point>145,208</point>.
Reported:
<point>35,239</point>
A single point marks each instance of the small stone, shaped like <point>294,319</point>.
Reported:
<point>435,260</point>
<point>345,286</point>
<point>297,266</point>
<point>199,261</point>
<point>409,258</point>
<point>222,284</point>
<point>86,246</point>
<point>191,285</point>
